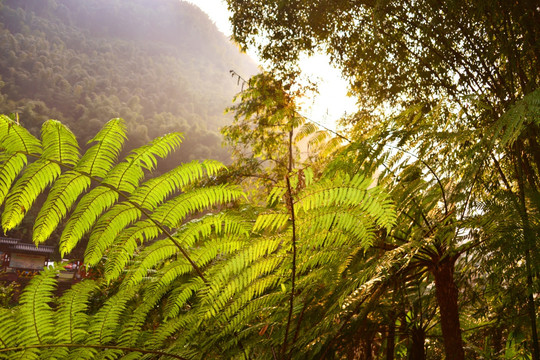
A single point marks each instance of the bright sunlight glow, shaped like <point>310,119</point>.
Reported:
<point>324,108</point>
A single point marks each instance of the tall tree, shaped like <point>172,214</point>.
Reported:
<point>483,60</point>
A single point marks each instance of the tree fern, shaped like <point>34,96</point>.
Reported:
<point>215,278</point>
<point>114,182</point>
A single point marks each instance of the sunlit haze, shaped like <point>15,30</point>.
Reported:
<point>332,101</point>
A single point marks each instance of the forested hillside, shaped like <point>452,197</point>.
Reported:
<point>161,65</point>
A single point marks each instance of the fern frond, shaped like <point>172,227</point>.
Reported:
<point>15,138</point>
<point>236,319</point>
<point>63,194</point>
<point>323,227</point>
<point>89,208</point>
<point>100,158</point>
<point>150,257</point>
<point>154,191</point>
<point>251,284</point>
<point>132,332</point>
<point>253,251</point>
<point>136,356</point>
<point>220,225</point>
<point>346,191</point>
<point>107,228</point>
<point>275,195</point>
<point>319,138</point>
<point>11,164</point>
<point>34,179</point>
<point>59,143</point>
<point>222,245</point>
<point>127,175</point>
<point>513,122</point>
<point>105,325</point>
<point>97,161</point>
<point>71,318</point>
<point>37,324</point>
<point>307,129</point>
<point>180,296</point>
<point>197,229</point>
<point>171,271</point>
<point>26,354</point>
<point>270,221</point>
<point>171,327</point>
<point>175,269</point>
<point>174,211</point>
<point>9,329</point>
<point>126,244</point>
<point>330,147</point>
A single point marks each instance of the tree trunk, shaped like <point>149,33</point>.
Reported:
<point>530,245</point>
<point>364,346</point>
<point>447,299</point>
<point>418,349</point>
<point>496,341</point>
<point>391,337</point>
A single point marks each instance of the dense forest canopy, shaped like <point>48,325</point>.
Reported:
<point>161,65</point>
<point>448,95</point>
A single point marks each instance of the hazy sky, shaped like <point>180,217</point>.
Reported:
<point>332,101</point>
<point>217,11</point>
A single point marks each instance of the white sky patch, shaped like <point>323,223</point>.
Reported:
<point>217,12</point>
<point>332,101</point>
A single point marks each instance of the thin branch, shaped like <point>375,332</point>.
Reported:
<point>501,174</point>
<point>443,193</point>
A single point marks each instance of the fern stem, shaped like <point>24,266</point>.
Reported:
<point>290,206</point>
<point>123,348</point>
<point>300,318</point>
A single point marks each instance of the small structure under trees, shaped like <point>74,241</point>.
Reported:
<point>21,259</point>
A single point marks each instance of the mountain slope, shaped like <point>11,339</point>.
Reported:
<point>160,64</point>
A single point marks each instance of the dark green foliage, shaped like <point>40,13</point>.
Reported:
<point>402,53</point>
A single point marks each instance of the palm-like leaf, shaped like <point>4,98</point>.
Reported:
<point>217,276</point>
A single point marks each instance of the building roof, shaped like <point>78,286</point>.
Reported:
<point>14,245</point>
<point>8,241</point>
<point>31,248</point>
